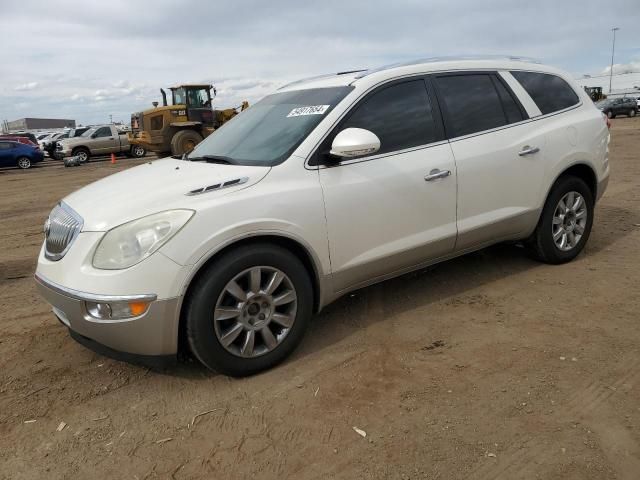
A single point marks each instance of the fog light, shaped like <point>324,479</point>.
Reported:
<point>116,310</point>
<point>99,310</point>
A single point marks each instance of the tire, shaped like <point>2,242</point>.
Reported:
<point>184,141</point>
<point>610,114</point>
<point>24,163</point>
<point>83,154</point>
<point>137,151</point>
<point>632,113</point>
<point>210,297</point>
<point>542,243</point>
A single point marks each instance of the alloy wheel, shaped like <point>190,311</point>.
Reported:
<point>569,221</point>
<point>24,163</point>
<point>255,311</point>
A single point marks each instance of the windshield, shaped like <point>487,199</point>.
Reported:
<point>268,132</point>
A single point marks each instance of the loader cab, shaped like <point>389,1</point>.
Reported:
<point>197,99</point>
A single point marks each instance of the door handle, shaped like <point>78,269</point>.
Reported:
<point>527,150</point>
<point>436,174</point>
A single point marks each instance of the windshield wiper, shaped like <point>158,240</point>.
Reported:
<point>212,159</point>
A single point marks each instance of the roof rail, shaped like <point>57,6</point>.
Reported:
<point>514,58</point>
<point>318,77</point>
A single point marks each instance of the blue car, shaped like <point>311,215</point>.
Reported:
<point>19,154</point>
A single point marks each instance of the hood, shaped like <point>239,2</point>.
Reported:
<point>71,141</point>
<point>157,186</point>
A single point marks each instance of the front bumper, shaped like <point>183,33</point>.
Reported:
<point>150,339</point>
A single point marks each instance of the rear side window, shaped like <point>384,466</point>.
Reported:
<point>471,103</point>
<point>5,145</point>
<point>400,115</point>
<point>550,92</point>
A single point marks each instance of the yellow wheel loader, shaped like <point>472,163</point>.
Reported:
<point>179,127</point>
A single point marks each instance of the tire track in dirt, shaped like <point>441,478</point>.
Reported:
<point>581,405</point>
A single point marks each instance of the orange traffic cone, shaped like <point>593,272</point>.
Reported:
<point>113,158</point>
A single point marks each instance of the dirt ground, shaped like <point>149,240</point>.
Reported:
<point>490,366</point>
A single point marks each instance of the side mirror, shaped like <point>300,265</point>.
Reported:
<point>354,142</point>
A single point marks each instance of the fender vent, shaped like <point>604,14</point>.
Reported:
<point>219,186</point>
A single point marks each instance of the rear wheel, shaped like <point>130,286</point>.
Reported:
<point>249,310</point>
<point>24,163</point>
<point>610,114</point>
<point>184,141</point>
<point>565,223</point>
<point>138,151</point>
<point>632,113</point>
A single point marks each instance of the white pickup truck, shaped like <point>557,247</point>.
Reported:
<point>98,140</point>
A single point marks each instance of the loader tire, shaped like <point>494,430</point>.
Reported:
<point>184,141</point>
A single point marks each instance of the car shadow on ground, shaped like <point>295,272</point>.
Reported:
<point>422,289</point>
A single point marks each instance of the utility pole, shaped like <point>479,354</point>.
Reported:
<point>111,116</point>
<point>613,50</point>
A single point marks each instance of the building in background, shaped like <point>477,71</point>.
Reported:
<point>38,124</point>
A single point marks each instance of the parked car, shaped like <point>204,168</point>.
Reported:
<point>29,135</point>
<point>49,145</point>
<point>100,140</point>
<point>70,133</point>
<point>618,106</point>
<point>24,140</point>
<point>326,186</point>
<point>19,154</point>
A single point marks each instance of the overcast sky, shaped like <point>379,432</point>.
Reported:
<point>85,60</point>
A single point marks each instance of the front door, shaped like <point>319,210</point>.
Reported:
<point>395,210</point>
<point>104,141</point>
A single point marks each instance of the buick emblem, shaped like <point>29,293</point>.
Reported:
<point>47,227</point>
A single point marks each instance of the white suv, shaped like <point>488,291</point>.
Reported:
<point>328,185</point>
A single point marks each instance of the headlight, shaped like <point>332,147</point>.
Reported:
<point>130,243</point>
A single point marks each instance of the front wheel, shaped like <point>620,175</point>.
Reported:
<point>249,309</point>
<point>184,141</point>
<point>82,155</point>
<point>565,223</point>
<point>610,114</point>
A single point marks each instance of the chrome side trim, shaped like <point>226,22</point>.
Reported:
<point>439,142</point>
<point>92,297</point>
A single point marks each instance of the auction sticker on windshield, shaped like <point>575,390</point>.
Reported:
<point>310,110</point>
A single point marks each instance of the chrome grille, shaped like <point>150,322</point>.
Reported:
<point>60,230</point>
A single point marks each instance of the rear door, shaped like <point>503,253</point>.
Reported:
<point>384,213</point>
<point>7,156</point>
<point>499,157</point>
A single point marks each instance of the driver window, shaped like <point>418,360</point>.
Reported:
<point>197,98</point>
<point>400,115</point>
<point>103,132</point>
